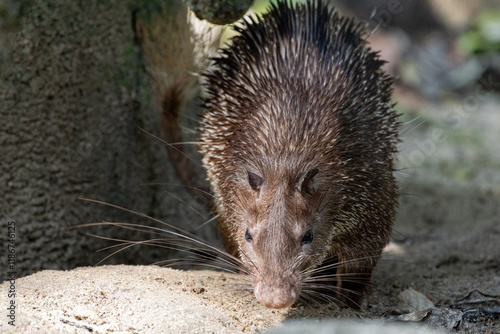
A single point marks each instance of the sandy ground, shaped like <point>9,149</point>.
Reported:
<point>149,299</point>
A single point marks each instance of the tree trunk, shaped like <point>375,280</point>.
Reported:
<point>73,101</point>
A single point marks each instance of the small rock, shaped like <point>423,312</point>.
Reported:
<point>411,300</point>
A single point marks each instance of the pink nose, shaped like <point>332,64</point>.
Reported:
<point>275,297</point>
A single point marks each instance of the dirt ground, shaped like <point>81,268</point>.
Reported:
<point>150,299</point>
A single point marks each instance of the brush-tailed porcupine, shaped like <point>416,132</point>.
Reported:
<point>299,138</point>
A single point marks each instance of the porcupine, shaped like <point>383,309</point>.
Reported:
<point>299,137</point>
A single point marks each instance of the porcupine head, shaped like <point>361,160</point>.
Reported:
<point>299,136</point>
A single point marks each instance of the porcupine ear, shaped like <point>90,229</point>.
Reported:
<point>256,181</point>
<point>305,183</point>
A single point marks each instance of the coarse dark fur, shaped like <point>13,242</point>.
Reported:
<point>299,137</point>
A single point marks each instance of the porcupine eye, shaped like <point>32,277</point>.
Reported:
<point>308,237</point>
<point>255,181</point>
